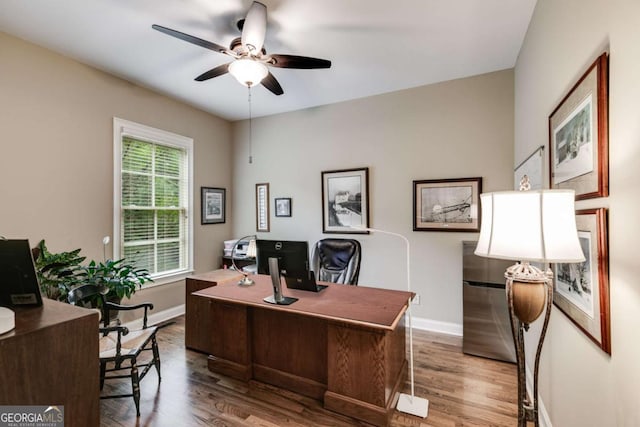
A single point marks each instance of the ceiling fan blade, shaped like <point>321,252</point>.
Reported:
<point>190,39</point>
<point>255,27</point>
<point>214,72</point>
<point>300,62</point>
<point>272,84</point>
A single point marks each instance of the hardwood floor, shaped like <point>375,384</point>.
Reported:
<point>462,391</point>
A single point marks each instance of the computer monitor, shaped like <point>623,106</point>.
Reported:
<point>293,263</point>
<point>293,257</point>
<point>18,280</point>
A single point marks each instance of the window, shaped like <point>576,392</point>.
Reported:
<point>153,199</point>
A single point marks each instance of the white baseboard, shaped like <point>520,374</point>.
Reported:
<point>544,419</point>
<point>158,317</point>
<point>437,326</point>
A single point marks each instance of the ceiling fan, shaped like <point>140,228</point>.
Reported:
<point>251,60</point>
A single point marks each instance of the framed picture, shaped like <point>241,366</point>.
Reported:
<point>531,168</point>
<point>345,201</point>
<point>262,207</point>
<point>578,136</point>
<point>213,201</point>
<point>581,290</point>
<point>447,204</point>
<point>283,206</point>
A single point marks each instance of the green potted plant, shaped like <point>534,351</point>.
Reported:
<point>60,272</point>
<point>121,278</point>
<point>57,272</point>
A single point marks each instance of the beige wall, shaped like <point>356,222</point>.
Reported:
<point>56,178</point>
<point>456,129</point>
<point>580,384</point>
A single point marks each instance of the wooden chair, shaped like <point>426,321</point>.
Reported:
<point>120,348</point>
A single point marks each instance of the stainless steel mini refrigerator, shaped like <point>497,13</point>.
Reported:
<point>486,330</point>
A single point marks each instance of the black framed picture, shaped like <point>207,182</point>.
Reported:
<point>345,201</point>
<point>213,202</point>
<point>283,206</point>
<point>447,204</point>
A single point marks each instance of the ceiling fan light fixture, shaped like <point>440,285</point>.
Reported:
<point>248,72</point>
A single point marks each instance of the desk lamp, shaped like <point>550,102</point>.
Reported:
<point>408,403</point>
<point>251,253</point>
<point>529,226</point>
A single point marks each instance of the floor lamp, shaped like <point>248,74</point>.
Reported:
<point>529,226</point>
<point>408,403</point>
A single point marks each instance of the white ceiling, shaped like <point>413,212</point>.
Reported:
<point>375,46</point>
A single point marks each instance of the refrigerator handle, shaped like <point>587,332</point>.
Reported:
<point>483,284</point>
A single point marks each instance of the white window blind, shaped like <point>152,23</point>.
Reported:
<point>153,199</point>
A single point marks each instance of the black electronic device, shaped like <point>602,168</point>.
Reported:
<point>305,283</point>
<point>293,263</point>
<point>18,280</point>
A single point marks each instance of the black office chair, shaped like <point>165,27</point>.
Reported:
<point>337,261</point>
<point>119,347</point>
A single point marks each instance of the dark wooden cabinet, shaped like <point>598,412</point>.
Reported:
<point>240,262</point>
<point>51,359</point>
<point>198,322</point>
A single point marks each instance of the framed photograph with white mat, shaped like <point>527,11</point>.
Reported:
<point>578,135</point>
<point>345,201</point>
<point>213,201</point>
<point>283,206</point>
<point>447,204</point>
<point>581,290</point>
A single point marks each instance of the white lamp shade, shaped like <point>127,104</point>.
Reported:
<point>248,72</point>
<point>535,226</point>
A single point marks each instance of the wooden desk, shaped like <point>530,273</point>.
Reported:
<point>51,358</point>
<point>344,345</point>
<point>197,335</point>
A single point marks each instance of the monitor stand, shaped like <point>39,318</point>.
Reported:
<point>277,297</point>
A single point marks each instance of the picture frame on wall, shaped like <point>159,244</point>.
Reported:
<point>283,206</point>
<point>532,168</point>
<point>262,207</point>
<point>578,135</point>
<point>581,290</point>
<point>447,204</point>
<point>345,201</point>
<point>213,203</point>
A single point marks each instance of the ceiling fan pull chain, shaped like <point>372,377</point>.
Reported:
<point>250,130</point>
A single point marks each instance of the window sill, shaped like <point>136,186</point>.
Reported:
<point>166,279</point>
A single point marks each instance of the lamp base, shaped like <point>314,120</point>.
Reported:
<point>529,289</point>
<point>529,294</point>
<point>245,281</point>
<point>413,405</point>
